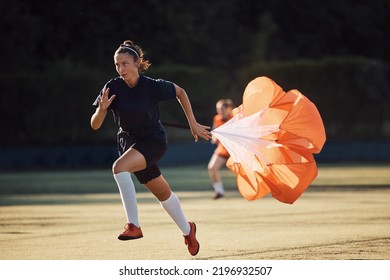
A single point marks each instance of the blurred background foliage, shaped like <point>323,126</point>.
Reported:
<point>57,55</point>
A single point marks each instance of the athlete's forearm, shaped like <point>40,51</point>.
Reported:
<point>184,101</point>
<point>197,129</point>
<point>98,118</point>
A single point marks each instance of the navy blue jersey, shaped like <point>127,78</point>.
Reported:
<point>136,110</point>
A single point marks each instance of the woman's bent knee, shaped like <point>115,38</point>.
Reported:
<point>118,167</point>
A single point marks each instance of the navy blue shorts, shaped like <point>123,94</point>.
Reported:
<point>152,149</point>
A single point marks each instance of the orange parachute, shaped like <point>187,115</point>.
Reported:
<point>271,141</point>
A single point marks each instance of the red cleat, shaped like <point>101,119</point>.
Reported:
<point>131,232</point>
<point>190,240</point>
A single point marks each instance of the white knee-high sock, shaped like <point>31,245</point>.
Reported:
<point>173,208</point>
<point>128,196</point>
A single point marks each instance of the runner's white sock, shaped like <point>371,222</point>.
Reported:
<point>128,196</point>
<point>173,208</point>
<point>218,187</point>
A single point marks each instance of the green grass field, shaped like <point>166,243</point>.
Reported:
<point>187,178</point>
<point>18,187</point>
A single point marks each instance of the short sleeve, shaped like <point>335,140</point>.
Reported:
<point>166,89</point>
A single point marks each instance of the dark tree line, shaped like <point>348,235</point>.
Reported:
<point>200,33</point>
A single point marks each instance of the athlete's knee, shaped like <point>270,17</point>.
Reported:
<point>118,167</point>
<point>212,168</point>
<point>163,195</point>
<point>114,168</point>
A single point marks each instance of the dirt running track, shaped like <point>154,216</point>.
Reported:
<point>324,224</point>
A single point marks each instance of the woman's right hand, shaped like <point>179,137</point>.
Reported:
<point>104,101</point>
<point>101,111</point>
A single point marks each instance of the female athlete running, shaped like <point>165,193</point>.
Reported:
<point>134,101</point>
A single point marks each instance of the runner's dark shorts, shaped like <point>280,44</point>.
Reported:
<point>152,149</point>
